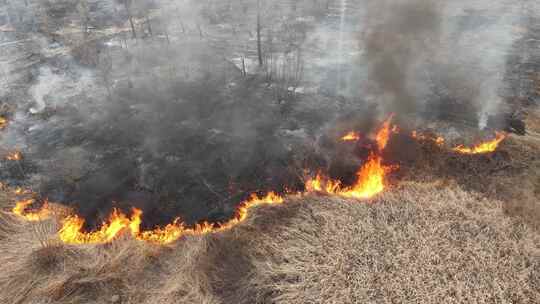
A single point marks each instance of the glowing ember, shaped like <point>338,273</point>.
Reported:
<point>20,191</point>
<point>485,147</point>
<point>323,184</point>
<point>36,215</point>
<point>72,227</point>
<point>351,136</point>
<point>438,140</point>
<point>14,156</point>
<point>3,123</point>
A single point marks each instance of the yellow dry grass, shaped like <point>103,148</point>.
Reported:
<point>419,243</point>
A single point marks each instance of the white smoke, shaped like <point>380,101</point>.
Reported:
<point>48,82</point>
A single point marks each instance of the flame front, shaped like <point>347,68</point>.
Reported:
<point>72,229</point>
<point>485,147</point>
<point>40,214</point>
<point>351,136</point>
<point>3,123</point>
<point>370,181</point>
<point>118,223</point>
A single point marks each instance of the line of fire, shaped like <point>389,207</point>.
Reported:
<point>370,180</point>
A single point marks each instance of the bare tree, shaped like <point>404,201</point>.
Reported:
<point>128,6</point>
<point>259,26</point>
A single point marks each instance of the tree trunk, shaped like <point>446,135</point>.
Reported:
<point>149,26</point>
<point>133,33</point>
<point>259,46</point>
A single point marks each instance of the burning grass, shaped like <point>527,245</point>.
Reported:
<point>370,181</point>
<point>428,243</point>
<point>484,147</point>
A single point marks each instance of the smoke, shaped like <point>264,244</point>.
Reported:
<point>400,36</point>
<point>445,59</point>
<point>424,59</point>
<point>168,124</point>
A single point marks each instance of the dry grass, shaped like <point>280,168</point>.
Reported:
<point>426,243</point>
<point>414,246</point>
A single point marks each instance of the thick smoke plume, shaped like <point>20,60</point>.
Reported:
<point>402,37</point>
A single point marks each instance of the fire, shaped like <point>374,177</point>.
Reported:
<point>323,184</point>
<point>438,140</point>
<point>351,136</point>
<point>370,178</point>
<point>370,181</point>
<point>3,123</point>
<point>40,214</point>
<point>14,156</point>
<point>118,223</point>
<point>485,147</point>
<point>71,231</point>
<point>383,135</point>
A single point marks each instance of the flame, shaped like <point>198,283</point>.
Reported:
<point>383,135</point>
<point>323,184</point>
<point>485,147</point>
<point>370,181</point>
<point>3,123</point>
<point>40,214</point>
<point>177,229</point>
<point>72,227</point>
<point>14,156</point>
<point>351,136</point>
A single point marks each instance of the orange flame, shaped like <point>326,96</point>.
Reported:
<point>383,135</point>
<point>370,181</point>
<point>323,184</point>
<point>14,156</point>
<point>351,136</point>
<point>3,123</point>
<point>485,147</point>
<point>40,214</point>
<point>72,233</point>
